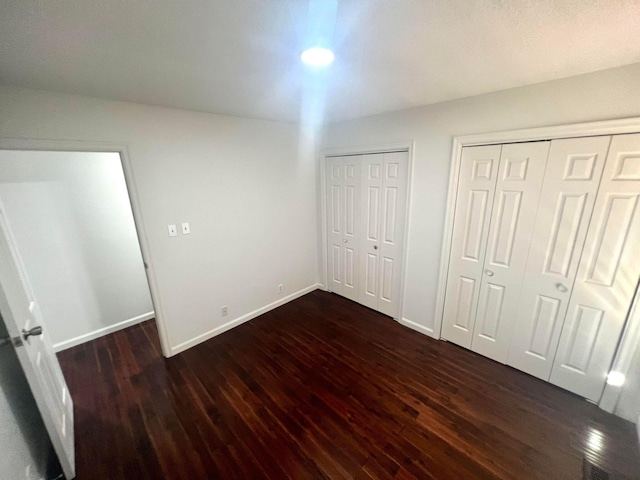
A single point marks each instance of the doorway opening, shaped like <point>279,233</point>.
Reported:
<point>72,216</point>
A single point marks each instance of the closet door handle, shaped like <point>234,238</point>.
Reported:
<point>561,287</point>
<point>375,247</point>
<point>489,273</point>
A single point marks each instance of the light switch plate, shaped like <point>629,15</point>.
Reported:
<point>173,231</point>
<point>186,230</point>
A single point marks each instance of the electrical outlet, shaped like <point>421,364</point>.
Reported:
<point>280,288</point>
<point>224,311</point>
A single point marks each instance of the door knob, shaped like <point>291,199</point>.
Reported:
<point>489,273</point>
<point>561,287</point>
<point>32,332</point>
<point>345,241</point>
<point>375,247</point>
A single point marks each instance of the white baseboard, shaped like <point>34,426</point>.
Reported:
<point>102,331</point>
<point>417,327</point>
<point>240,320</point>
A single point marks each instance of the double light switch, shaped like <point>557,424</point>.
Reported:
<point>173,230</point>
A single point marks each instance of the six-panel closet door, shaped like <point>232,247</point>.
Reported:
<point>391,219</point>
<point>476,187</point>
<point>607,276</point>
<point>343,225</point>
<point>573,173</point>
<point>498,194</point>
<point>366,209</point>
<point>518,183</point>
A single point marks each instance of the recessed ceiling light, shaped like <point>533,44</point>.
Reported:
<point>317,57</point>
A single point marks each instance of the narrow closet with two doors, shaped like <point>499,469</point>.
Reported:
<point>545,255</point>
<point>366,210</point>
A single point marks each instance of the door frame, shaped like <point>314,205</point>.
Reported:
<point>127,167</point>
<point>621,126</point>
<point>409,147</point>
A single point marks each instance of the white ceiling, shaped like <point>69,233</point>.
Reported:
<point>241,57</point>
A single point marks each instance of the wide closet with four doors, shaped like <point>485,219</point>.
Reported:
<point>545,255</point>
<point>366,209</point>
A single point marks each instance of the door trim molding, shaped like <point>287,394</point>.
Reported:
<point>409,147</point>
<point>138,216</point>
<point>587,129</point>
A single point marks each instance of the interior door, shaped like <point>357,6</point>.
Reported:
<point>395,173</point>
<point>607,276</point>
<point>343,218</point>
<point>566,203</point>
<point>335,224</point>
<point>520,176</point>
<point>371,200</point>
<point>476,188</point>
<point>34,350</point>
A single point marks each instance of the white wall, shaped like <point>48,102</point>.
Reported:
<point>73,225</point>
<point>247,187</point>
<point>597,96</point>
<point>629,403</point>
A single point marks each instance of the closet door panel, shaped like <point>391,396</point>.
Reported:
<point>607,276</point>
<point>573,173</point>
<point>371,201</point>
<point>351,237</point>
<point>393,212</point>
<point>519,180</point>
<point>476,187</point>
<point>335,187</point>
<point>343,225</point>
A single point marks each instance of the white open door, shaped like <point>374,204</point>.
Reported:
<point>34,349</point>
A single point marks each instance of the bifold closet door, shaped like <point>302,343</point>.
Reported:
<point>573,173</point>
<point>343,219</point>
<point>395,172</point>
<point>476,186</point>
<point>371,201</point>
<point>519,180</point>
<point>607,276</point>
<point>366,210</point>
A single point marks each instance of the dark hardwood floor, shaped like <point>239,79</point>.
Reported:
<point>325,388</point>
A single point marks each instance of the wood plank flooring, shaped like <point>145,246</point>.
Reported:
<point>325,388</point>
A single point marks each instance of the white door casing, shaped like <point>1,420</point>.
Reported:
<point>519,180</point>
<point>572,177</point>
<point>477,182</point>
<point>35,353</point>
<point>607,276</point>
